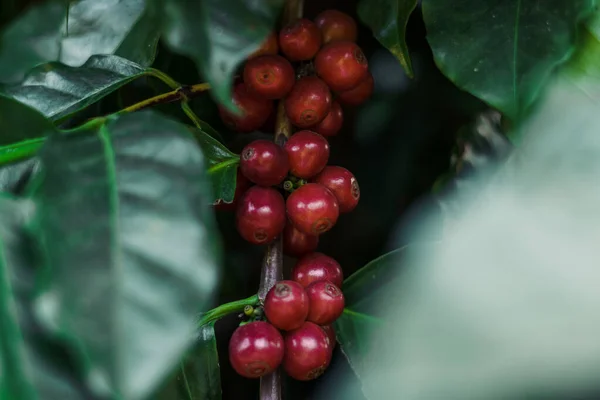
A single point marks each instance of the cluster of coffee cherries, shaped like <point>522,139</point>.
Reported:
<point>318,193</point>
<point>304,309</point>
<point>327,59</point>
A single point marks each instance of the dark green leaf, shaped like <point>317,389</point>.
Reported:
<point>19,123</point>
<point>124,222</point>
<point>387,19</point>
<point>127,28</point>
<point>200,376</point>
<point>13,178</point>
<point>32,362</point>
<point>502,51</point>
<point>363,291</point>
<point>222,166</point>
<point>57,90</point>
<point>15,382</point>
<point>218,35</point>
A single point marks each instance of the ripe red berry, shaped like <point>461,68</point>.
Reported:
<point>254,110</point>
<point>358,94</point>
<point>342,65</point>
<point>256,349</point>
<point>296,243</point>
<point>309,102</point>
<point>332,123</point>
<point>342,184</point>
<point>286,305</point>
<point>269,47</point>
<point>336,26</point>
<point>308,153</point>
<point>264,162</point>
<point>260,216</point>
<point>330,331</point>
<point>316,267</point>
<point>326,302</point>
<point>271,77</point>
<point>241,185</point>
<point>300,40</point>
<point>307,352</point>
<point>312,208</point>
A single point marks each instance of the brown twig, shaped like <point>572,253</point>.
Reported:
<point>272,268</point>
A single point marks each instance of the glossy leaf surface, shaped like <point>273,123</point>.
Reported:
<point>71,32</point>
<point>502,51</point>
<point>57,90</point>
<point>127,234</point>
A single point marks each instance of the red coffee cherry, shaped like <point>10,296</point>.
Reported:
<point>300,40</point>
<point>256,349</point>
<point>307,352</point>
<point>330,331</point>
<point>270,46</point>
<point>336,26</point>
<point>271,77</point>
<point>332,123</point>
<point>342,65</point>
<point>342,184</point>
<point>241,185</point>
<point>264,163</point>
<point>308,153</point>
<point>316,267</point>
<point>326,302</point>
<point>312,208</point>
<point>358,94</point>
<point>260,215</point>
<point>254,110</point>
<point>309,102</point>
<point>286,305</point>
<point>296,243</point>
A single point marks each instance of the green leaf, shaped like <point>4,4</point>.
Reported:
<point>57,90</point>
<point>218,35</point>
<point>363,291</point>
<point>222,166</point>
<point>48,32</point>
<point>128,237</point>
<point>200,375</point>
<point>32,365</point>
<point>387,19</point>
<point>502,51</point>
<point>15,382</point>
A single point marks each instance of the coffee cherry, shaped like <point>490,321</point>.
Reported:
<point>256,349</point>
<point>241,185</point>
<point>269,47</point>
<point>312,208</point>
<point>332,123</point>
<point>342,65</point>
<point>330,331</point>
<point>260,215</point>
<point>316,267</point>
<point>300,40</point>
<point>358,94</point>
<point>308,153</point>
<point>271,77</point>
<point>254,110</point>
<point>286,305</point>
<point>264,163</point>
<point>307,352</point>
<point>342,184</point>
<point>336,26</point>
<point>309,102</point>
<point>296,243</point>
<point>326,302</point>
